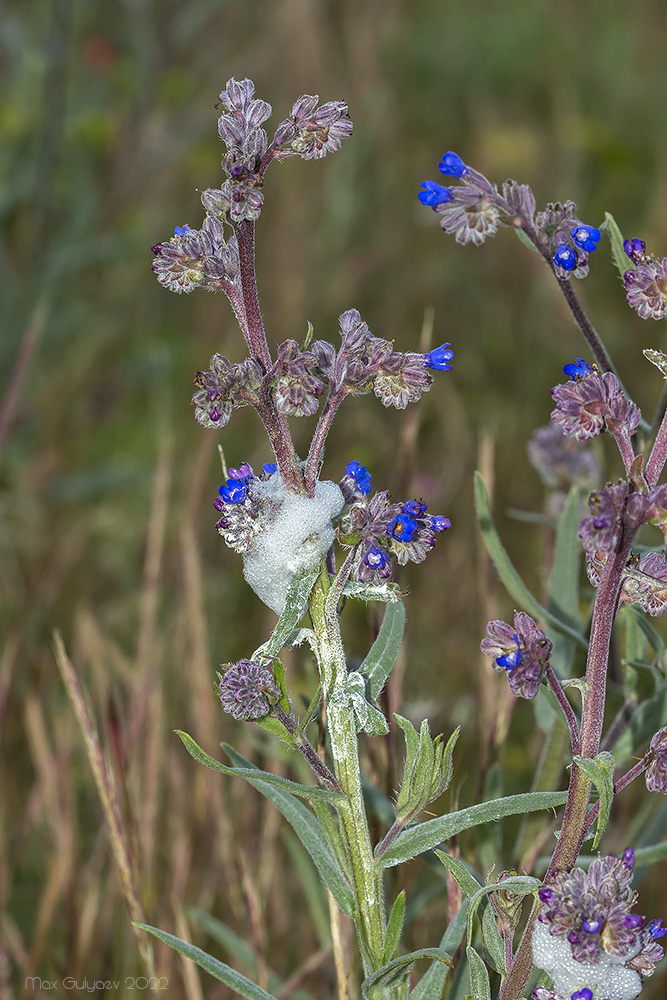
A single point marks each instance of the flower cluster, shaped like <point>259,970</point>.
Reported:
<point>522,650</point>
<point>197,259</point>
<point>646,282</point>
<point>588,940</point>
<point>645,583</point>
<point>312,132</point>
<point>364,363</point>
<point>471,209</point>
<point>224,386</point>
<point>567,239</point>
<point>247,689</point>
<point>380,530</point>
<point>590,402</point>
<point>296,386</point>
<point>240,506</point>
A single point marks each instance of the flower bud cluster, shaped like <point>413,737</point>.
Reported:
<point>471,210</point>
<point>567,239</point>
<point>522,650</point>
<point>197,259</point>
<point>312,132</point>
<point>240,507</point>
<point>646,282</point>
<point>222,387</point>
<point>296,387</point>
<point>366,363</point>
<point>656,774</point>
<point>588,940</point>
<point>247,689</point>
<point>382,530</point>
<point>591,402</point>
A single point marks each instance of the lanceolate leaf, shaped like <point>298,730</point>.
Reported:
<point>619,256</point>
<point>433,832</point>
<point>600,770</point>
<point>387,592</point>
<point>307,829</point>
<point>397,972</point>
<point>295,608</point>
<point>254,774</point>
<point>432,983</point>
<point>394,927</point>
<point>475,892</point>
<point>513,583</point>
<point>382,654</point>
<point>645,721</point>
<point>224,973</point>
<point>480,987</point>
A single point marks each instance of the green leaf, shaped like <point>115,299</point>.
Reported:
<point>432,983</point>
<point>475,891</point>
<point>493,941</point>
<point>254,774</point>
<point>620,258</point>
<point>394,927</point>
<point>513,583</point>
<point>382,655</point>
<point>369,718</point>
<point>224,973</point>
<point>526,240</point>
<point>480,986</point>
<point>645,721</point>
<point>386,592</point>
<point>426,836</point>
<point>397,973</point>
<point>658,359</point>
<point>654,638</point>
<point>600,770</point>
<point>307,829</point>
<point>296,605</point>
<point>470,885</point>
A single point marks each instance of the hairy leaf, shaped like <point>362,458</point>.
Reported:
<point>397,972</point>
<point>600,770</point>
<point>381,657</point>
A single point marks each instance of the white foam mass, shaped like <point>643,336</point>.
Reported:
<point>609,978</point>
<point>296,532</point>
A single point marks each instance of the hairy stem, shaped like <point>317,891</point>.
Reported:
<point>658,456</point>
<point>254,327</point>
<point>568,711</point>
<point>319,437</point>
<point>341,725</point>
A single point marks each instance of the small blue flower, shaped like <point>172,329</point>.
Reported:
<point>655,929</point>
<point>268,469</point>
<point>376,558</point>
<point>361,476</point>
<point>565,257</point>
<point>578,370</point>
<point>402,528</point>
<point>440,359</point>
<point>592,926</point>
<point>234,491</point>
<point>510,660</point>
<point>453,165</point>
<point>414,508</point>
<point>182,230</point>
<point>633,247</point>
<point>583,994</point>
<point>586,237</point>
<point>434,194</point>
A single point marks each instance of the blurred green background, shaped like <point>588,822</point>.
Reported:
<point>107,131</point>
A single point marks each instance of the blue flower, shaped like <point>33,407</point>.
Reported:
<point>182,230</point>
<point>592,926</point>
<point>234,491</point>
<point>376,559</point>
<point>268,469</point>
<point>510,660</point>
<point>579,369</point>
<point>453,165</point>
<point>414,508</point>
<point>565,257</point>
<point>655,929</point>
<point>586,237</point>
<point>440,359</point>
<point>361,476</point>
<point>434,194</point>
<point>583,994</point>
<point>634,247</point>
<point>439,522</point>
<point>402,528</point>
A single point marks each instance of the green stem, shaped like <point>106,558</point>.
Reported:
<point>341,725</point>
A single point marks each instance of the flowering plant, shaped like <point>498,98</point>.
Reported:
<point>309,543</point>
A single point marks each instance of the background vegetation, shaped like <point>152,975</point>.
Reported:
<point>107,129</point>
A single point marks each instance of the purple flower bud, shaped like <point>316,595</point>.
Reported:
<point>633,921</point>
<point>592,926</point>
<point>452,165</point>
<point>433,194</point>
<point>439,522</point>
<point>440,359</point>
<point>247,690</point>
<point>634,247</point>
<point>244,471</point>
<point>629,858</point>
<point>583,994</point>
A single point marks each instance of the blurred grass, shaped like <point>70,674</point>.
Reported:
<point>107,128</point>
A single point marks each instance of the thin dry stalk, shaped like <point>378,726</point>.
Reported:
<point>106,788</point>
<point>29,342</point>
